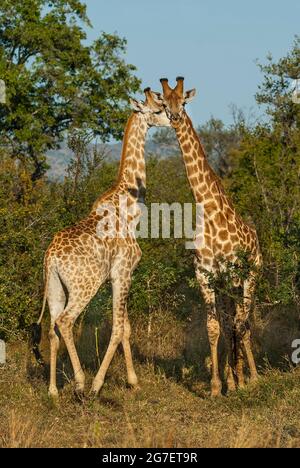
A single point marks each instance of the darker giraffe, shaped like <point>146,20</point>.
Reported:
<point>81,258</point>
<point>225,233</point>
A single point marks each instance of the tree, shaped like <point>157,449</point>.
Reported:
<point>219,143</point>
<point>276,92</point>
<point>165,138</point>
<point>265,180</point>
<point>55,81</point>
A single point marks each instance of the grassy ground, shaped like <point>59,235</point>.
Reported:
<point>172,409</point>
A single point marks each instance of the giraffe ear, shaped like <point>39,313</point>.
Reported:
<point>139,106</point>
<point>135,105</point>
<point>157,97</point>
<point>189,95</point>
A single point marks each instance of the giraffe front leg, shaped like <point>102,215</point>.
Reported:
<point>230,367</point>
<point>115,340</point>
<point>227,327</point>
<point>213,330</point>
<point>240,364</point>
<point>131,375</point>
<point>249,355</point>
<point>120,283</point>
<point>231,385</point>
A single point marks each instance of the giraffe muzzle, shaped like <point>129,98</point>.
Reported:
<point>175,119</point>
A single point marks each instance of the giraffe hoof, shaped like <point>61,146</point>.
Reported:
<point>53,394</point>
<point>132,382</point>
<point>96,386</point>
<point>254,379</point>
<point>216,388</point>
<point>134,387</point>
<point>93,395</point>
<point>215,393</point>
<point>231,387</point>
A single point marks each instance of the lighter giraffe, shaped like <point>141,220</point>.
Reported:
<point>81,258</point>
<point>225,233</point>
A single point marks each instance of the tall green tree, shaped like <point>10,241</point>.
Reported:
<point>265,182</point>
<point>55,80</point>
<point>275,92</point>
<point>219,142</point>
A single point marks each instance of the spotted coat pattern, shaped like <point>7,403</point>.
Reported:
<point>225,234</point>
<point>81,258</point>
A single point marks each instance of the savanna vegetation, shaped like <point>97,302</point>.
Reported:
<point>60,89</point>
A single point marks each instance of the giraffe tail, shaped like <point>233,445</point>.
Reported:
<point>36,328</point>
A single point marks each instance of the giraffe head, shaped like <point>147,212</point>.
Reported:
<point>152,110</point>
<point>173,100</point>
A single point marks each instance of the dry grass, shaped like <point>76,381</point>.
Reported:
<point>172,409</point>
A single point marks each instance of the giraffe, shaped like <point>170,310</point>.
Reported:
<point>224,234</point>
<point>81,258</point>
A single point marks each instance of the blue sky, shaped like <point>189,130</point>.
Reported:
<point>212,43</point>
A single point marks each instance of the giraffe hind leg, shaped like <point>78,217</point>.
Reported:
<point>65,324</point>
<point>54,346</point>
<point>227,314</point>
<point>250,357</point>
<point>56,300</point>
<point>230,361</point>
<point>242,327</point>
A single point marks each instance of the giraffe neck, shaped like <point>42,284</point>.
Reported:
<point>132,172</point>
<point>224,229</point>
<point>202,179</point>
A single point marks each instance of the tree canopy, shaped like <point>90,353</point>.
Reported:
<point>265,182</point>
<point>55,81</point>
